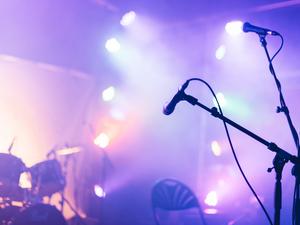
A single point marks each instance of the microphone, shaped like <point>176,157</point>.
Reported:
<point>247,27</point>
<point>169,107</point>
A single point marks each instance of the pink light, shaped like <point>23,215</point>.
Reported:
<point>210,211</point>
<point>117,114</point>
<point>102,140</point>
<point>211,198</point>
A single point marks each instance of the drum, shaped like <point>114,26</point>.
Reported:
<point>39,214</point>
<point>8,213</point>
<point>47,178</point>
<point>11,168</point>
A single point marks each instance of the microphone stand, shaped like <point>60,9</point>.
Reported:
<point>278,164</point>
<point>279,161</point>
<point>296,170</point>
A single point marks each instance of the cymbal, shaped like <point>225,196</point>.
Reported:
<point>68,150</point>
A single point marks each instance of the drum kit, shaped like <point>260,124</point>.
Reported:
<point>25,206</point>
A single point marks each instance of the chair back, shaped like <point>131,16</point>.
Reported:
<point>173,196</point>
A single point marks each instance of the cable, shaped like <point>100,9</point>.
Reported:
<point>284,108</point>
<point>282,102</point>
<point>293,130</point>
<point>279,49</point>
<point>233,151</point>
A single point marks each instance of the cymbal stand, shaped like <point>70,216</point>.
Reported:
<point>62,193</point>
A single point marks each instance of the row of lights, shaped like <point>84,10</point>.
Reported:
<point>211,199</point>
<point>112,45</point>
<point>103,140</point>
<point>233,28</point>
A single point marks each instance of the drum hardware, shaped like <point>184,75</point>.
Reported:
<point>47,178</point>
<point>45,184</point>
<point>10,169</point>
<point>68,152</point>
<point>11,195</point>
<point>11,145</point>
<point>20,201</point>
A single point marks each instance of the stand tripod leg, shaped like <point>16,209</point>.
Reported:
<point>278,163</point>
<point>277,202</point>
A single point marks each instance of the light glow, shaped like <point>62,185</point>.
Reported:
<point>117,114</point>
<point>221,183</point>
<point>128,18</point>
<point>253,200</point>
<point>216,148</point>
<point>99,191</point>
<point>234,28</point>
<point>102,140</point>
<point>221,99</point>
<point>112,45</point>
<point>25,180</point>
<point>210,211</point>
<point>108,94</point>
<point>220,52</point>
<point>211,198</point>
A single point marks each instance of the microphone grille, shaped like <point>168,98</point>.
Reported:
<point>246,27</point>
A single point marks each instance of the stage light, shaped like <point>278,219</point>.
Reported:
<point>99,191</point>
<point>112,45</point>
<point>220,52</point>
<point>234,28</point>
<point>108,94</point>
<point>128,18</point>
<point>216,148</point>
<point>221,98</point>
<point>102,140</point>
<point>211,198</point>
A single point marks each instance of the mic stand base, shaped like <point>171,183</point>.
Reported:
<point>278,164</point>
